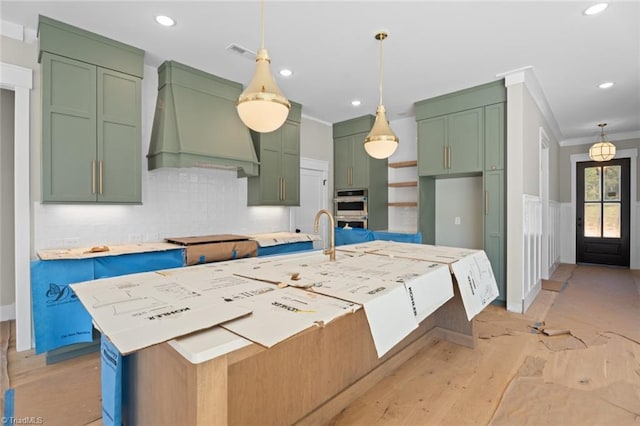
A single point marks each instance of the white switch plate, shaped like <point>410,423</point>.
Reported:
<point>457,220</point>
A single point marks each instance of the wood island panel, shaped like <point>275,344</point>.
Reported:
<point>306,379</point>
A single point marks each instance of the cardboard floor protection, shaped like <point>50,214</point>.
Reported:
<point>553,285</point>
<point>592,375</point>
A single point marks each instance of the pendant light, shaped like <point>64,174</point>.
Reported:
<point>261,106</point>
<point>381,142</point>
<point>602,150</point>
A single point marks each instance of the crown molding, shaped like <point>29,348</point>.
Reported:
<point>526,76</point>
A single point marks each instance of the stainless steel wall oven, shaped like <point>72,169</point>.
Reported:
<point>351,208</point>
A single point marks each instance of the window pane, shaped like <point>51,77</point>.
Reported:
<point>592,220</point>
<point>592,184</point>
<point>611,220</point>
<point>611,183</point>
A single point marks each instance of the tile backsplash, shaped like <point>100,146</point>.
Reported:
<point>175,202</point>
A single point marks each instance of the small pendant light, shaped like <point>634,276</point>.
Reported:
<point>261,106</point>
<point>381,142</point>
<point>602,150</point>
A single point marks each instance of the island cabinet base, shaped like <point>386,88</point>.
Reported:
<point>306,379</point>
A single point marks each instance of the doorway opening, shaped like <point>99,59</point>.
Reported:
<point>603,212</point>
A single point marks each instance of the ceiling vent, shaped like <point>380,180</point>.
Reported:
<point>242,51</point>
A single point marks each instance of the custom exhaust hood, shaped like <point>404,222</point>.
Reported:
<point>196,123</point>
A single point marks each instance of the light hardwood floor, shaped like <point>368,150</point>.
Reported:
<point>512,377</point>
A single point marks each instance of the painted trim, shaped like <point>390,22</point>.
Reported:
<point>529,298</point>
<point>317,120</point>
<point>20,80</point>
<point>632,154</point>
<point>543,190</point>
<point>313,164</point>
<point>12,30</point>
<point>589,140</point>
<point>526,76</point>
<point>8,312</point>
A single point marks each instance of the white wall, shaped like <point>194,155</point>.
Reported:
<point>7,252</point>
<point>460,198</point>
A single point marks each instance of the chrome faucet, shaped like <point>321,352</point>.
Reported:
<point>331,251</point>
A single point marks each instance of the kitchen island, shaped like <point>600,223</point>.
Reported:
<point>217,377</point>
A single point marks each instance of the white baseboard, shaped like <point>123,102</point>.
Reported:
<point>8,312</point>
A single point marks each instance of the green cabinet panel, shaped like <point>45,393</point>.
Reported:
<point>91,133</point>
<point>354,168</point>
<point>351,165</point>
<point>278,183</point>
<point>432,151</point>
<point>343,161</point>
<point>451,144</point>
<point>494,132</point>
<point>494,226</point>
<point>465,138</point>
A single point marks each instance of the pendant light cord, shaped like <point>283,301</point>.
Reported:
<point>381,38</point>
<point>262,23</point>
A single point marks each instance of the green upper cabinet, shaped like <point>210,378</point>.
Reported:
<point>352,166</point>
<point>451,144</point>
<point>351,162</point>
<point>494,131</point>
<point>91,119</point>
<point>279,153</point>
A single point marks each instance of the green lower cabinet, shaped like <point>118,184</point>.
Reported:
<point>91,133</point>
<point>278,183</point>
<point>494,226</point>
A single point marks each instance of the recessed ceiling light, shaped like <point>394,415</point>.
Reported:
<point>165,21</point>
<point>286,72</point>
<point>356,102</point>
<point>596,8</point>
<point>606,85</point>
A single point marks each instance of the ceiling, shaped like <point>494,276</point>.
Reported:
<point>434,47</point>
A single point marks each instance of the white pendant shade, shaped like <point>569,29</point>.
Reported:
<point>602,151</point>
<point>261,106</point>
<point>381,142</point>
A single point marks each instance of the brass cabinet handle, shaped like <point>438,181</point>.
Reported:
<point>444,156</point>
<point>284,190</point>
<point>280,189</point>
<point>93,176</point>
<point>101,178</point>
<point>486,203</point>
<point>350,175</point>
<point>448,156</point>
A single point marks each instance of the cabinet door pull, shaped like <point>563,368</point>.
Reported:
<point>448,156</point>
<point>101,182</point>
<point>486,203</point>
<point>280,189</point>
<point>93,176</point>
<point>444,156</point>
<point>284,191</point>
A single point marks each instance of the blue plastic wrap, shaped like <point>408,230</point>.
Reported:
<point>352,236</point>
<point>359,235</point>
<point>111,383</point>
<point>58,316</point>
